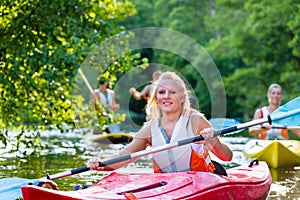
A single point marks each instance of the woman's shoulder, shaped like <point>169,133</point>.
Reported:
<point>261,108</point>
<point>198,117</point>
<point>259,113</point>
<point>110,91</point>
<point>150,123</point>
<point>198,122</point>
<point>196,114</point>
<point>144,132</point>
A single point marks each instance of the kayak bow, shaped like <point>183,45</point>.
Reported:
<point>277,153</point>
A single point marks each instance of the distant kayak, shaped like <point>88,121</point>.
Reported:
<point>242,182</point>
<point>114,135</point>
<point>277,153</point>
<point>111,138</point>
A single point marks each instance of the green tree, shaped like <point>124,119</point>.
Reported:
<point>253,43</point>
<point>258,46</point>
<point>43,42</point>
<point>187,17</point>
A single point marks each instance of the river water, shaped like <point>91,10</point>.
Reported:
<point>72,150</point>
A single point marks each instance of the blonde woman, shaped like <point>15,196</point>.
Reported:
<point>171,119</point>
<point>267,131</point>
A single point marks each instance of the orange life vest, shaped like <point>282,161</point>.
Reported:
<point>197,163</point>
<point>263,133</point>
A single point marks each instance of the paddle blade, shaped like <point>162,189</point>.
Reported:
<point>292,112</point>
<point>10,188</point>
<point>221,123</point>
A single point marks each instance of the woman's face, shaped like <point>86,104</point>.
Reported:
<point>274,96</point>
<point>169,96</point>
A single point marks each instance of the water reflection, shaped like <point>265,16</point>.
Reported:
<point>71,151</point>
<point>286,183</point>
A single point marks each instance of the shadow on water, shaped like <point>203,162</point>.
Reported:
<point>71,151</point>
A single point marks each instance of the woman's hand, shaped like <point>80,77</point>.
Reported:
<point>208,135</point>
<point>220,149</point>
<point>132,90</point>
<point>266,126</point>
<point>93,164</point>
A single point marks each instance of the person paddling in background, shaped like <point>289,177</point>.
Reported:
<point>104,101</point>
<point>148,89</point>
<point>144,95</point>
<point>268,131</point>
<point>171,119</point>
<point>105,96</point>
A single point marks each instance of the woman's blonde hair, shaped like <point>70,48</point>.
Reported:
<point>274,85</point>
<point>152,109</point>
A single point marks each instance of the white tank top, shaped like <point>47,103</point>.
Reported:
<point>175,159</point>
<point>273,133</point>
<point>105,100</point>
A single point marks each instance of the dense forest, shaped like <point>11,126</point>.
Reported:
<point>228,52</point>
<point>253,44</point>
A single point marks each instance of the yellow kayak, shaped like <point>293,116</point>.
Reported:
<point>276,153</point>
<point>112,138</point>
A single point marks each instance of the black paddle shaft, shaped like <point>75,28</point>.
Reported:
<point>226,130</point>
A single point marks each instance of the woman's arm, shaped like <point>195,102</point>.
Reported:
<point>113,105</point>
<point>145,93</point>
<point>219,148</point>
<point>257,129</point>
<point>213,143</point>
<point>139,143</point>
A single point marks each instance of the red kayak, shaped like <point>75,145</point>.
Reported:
<point>242,182</point>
